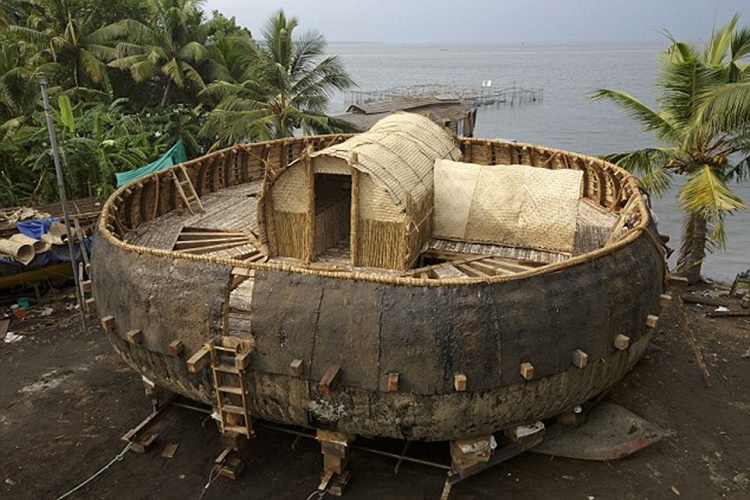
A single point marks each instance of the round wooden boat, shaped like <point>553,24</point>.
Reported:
<point>327,282</point>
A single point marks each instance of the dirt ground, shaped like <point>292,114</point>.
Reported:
<point>66,399</point>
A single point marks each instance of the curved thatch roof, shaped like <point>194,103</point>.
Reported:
<point>399,153</point>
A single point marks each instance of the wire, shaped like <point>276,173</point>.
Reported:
<point>211,478</point>
<point>118,458</point>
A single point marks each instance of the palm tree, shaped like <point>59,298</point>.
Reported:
<point>64,41</point>
<point>703,137</point>
<point>172,47</point>
<point>286,88</point>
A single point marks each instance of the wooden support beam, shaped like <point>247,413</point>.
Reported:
<point>652,321</point>
<point>199,361</point>
<point>527,370</point>
<point>176,348</point>
<point>459,382</point>
<point>579,358</point>
<point>392,382</point>
<point>108,323</point>
<point>296,368</point>
<point>135,337</point>
<point>622,342</point>
<point>330,377</point>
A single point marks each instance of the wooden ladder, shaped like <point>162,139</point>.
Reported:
<point>228,363</point>
<point>183,183</point>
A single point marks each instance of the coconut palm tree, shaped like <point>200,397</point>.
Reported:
<point>63,41</point>
<point>173,47</point>
<point>286,88</point>
<point>708,146</point>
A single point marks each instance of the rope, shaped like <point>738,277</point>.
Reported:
<point>319,493</point>
<point>118,458</point>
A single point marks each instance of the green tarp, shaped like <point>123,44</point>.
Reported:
<point>175,155</point>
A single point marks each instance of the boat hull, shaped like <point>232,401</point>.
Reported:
<point>372,328</point>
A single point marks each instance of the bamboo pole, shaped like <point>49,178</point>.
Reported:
<point>63,197</point>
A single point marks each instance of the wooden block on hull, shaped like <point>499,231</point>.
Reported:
<point>176,348</point>
<point>392,382</point>
<point>296,368</point>
<point>199,360</point>
<point>664,300</point>
<point>459,382</point>
<point>135,337</point>
<point>527,371</point>
<point>330,377</point>
<point>652,321</point>
<point>579,358</point>
<point>622,342</point>
<point>677,283</point>
<point>108,323</point>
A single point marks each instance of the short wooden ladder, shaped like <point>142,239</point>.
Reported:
<point>186,190</point>
<point>228,363</point>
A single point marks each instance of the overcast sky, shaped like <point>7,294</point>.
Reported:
<point>492,21</point>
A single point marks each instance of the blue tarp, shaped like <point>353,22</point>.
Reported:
<point>35,228</point>
<point>175,155</point>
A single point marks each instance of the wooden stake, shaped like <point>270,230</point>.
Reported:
<point>691,340</point>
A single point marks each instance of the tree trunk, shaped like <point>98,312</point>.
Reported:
<point>691,261</point>
<point>166,94</point>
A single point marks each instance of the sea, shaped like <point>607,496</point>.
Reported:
<point>565,118</point>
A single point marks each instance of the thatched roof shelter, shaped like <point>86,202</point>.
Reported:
<point>371,195</point>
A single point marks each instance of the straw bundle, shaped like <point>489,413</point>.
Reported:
<point>38,245</point>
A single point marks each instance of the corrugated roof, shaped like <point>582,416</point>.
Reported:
<point>401,104</point>
<point>399,153</point>
<point>439,113</point>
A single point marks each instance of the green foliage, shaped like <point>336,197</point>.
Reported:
<point>703,122</point>
<point>125,78</point>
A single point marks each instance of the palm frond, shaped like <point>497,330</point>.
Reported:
<point>706,194</point>
<point>650,164</point>
<point>650,119</point>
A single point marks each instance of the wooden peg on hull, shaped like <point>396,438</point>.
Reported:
<point>459,382</point>
<point>527,370</point>
<point>135,337</point>
<point>108,323</point>
<point>330,377</point>
<point>622,342</point>
<point>652,321</point>
<point>579,358</point>
<point>392,382</point>
<point>296,368</point>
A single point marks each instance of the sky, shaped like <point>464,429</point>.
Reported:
<point>492,21</point>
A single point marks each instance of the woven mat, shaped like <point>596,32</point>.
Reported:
<point>512,205</point>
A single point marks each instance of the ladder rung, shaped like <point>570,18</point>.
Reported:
<point>230,389</point>
<point>237,410</point>
<point>238,429</point>
<point>226,349</point>
<point>227,369</point>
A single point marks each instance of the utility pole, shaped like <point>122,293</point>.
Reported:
<point>63,198</point>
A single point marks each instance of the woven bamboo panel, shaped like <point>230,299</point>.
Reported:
<point>510,205</point>
<point>290,190</point>
<point>375,203</point>
<point>329,165</point>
